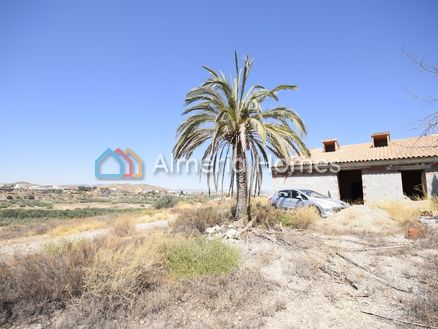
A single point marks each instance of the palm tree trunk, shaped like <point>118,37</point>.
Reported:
<point>241,182</point>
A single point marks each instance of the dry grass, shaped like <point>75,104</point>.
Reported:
<point>425,305</point>
<point>81,225</point>
<point>195,221</point>
<point>116,270</point>
<point>187,205</point>
<point>154,215</point>
<point>16,231</point>
<point>300,218</point>
<point>403,211</point>
<point>407,211</point>
<point>205,302</point>
<point>123,226</point>
<point>123,270</point>
<point>56,227</point>
<point>40,283</point>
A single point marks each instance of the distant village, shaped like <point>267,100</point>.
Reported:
<point>84,193</point>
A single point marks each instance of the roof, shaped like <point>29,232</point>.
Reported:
<point>407,148</point>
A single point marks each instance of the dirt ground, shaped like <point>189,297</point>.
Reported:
<point>326,281</point>
<point>344,278</point>
<point>34,243</point>
<point>320,281</point>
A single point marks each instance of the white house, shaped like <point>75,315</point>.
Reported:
<point>381,168</point>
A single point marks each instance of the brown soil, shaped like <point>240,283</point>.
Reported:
<point>290,279</point>
<point>361,219</point>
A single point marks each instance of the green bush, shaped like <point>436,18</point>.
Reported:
<point>9,216</point>
<point>165,201</point>
<point>199,256</point>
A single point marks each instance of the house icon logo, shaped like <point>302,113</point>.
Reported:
<point>128,165</point>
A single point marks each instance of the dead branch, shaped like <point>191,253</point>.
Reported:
<point>383,248</point>
<point>399,321</point>
<point>340,276</point>
<point>273,237</point>
<point>260,235</point>
<point>420,62</point>
<point>383,281</point>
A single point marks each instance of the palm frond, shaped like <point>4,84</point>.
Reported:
<point>226,117</point>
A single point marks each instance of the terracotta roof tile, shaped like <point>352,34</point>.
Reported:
<point>416,147</point>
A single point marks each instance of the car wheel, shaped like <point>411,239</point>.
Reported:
<point>318,211</point>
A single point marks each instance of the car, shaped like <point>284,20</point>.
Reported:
<point>295,198</point>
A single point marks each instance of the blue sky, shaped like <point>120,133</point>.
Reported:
<point>79,76</point>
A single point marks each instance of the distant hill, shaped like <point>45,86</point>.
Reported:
<point>133,188</point>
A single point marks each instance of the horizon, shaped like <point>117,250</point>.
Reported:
<point>77,78</point>
<point>142,182</point>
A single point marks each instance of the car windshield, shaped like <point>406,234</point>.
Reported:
<point>313,194</point>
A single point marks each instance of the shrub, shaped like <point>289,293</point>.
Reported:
<point>77,226</point>
<point>123,270</point>
<point>9,216</point>
<point>40,283</point>
<point>194,221</point>
<point>300,218</point>
<point>123,226</point>
<point>205,302</point>
<point>425,304</point>
<point>198,256</point>
<point>433,204</point>
<point>165,201</point>
<point>113,272</point>
<point>407,211</point>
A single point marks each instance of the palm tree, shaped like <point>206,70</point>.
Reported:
<point>227,117</point>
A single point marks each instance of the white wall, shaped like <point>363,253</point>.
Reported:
<point>377,186</point>
<point>432,183</point>
<point>324,184</point>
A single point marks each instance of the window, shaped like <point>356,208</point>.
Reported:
<point>313,194</point>
<point>304,197</point>
<point>380,139</point>
<point>380,142</point>
<point>329,147</point>
<point>283,194</point>
<point>294,194</point>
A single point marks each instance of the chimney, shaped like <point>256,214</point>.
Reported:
<point>330,145</point>
<point>380,139</point>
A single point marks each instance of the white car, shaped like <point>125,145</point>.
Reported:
<point>295,198</point>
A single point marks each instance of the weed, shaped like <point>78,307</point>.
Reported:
<point>194,221</point>
<point>425,305</point>
<point>41,283</point>
<point>198,256</point>
<point>407,211</point>
<point>11,216</point>
<point>300,218</point>
<point>123,226</point>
